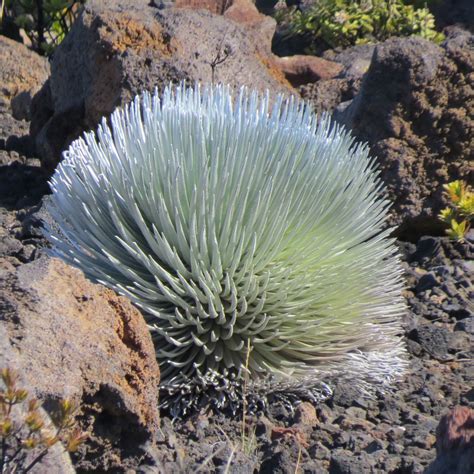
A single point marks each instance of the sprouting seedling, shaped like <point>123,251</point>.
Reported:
<point>461,210</point>
<point>233,219</point>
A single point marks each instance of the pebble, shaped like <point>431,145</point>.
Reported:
<point>344,462</point>
<point>449,288</point>
<point>424,441</point>
<point>356,424</point>
<point>376,445</point>
<point>432,339</point>
<point>319,451</point>
<point>356,412</point>
<point>466,325</point>
<point>395,448</point>
<point>426,282</point>
<point>305,414</point>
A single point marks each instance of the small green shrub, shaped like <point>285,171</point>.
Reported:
<point>25,440</point>
<point>46,22</point>
<point>347,23</point>
<point>461,210</point>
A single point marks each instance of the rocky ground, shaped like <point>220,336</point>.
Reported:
<point>396,432</point>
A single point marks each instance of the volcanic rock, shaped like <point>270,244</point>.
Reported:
<point>22,73</point>
<point>118,48</point>
<point>81,341</point>
<point>415,109</point>
<point>455,443</point>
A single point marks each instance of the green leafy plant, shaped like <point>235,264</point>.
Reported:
<point>234,221</point>
<point>46,22</point>
<point>461,211</point>
<point>25,438</point>
<point>346,23</point>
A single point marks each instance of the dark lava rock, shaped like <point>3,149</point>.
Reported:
<point>457,311</point>
<point>434,340</point>
<point>344,462</point>
<point>279,462</point>
<point>453,12</point>
<point>426,282</point>
<point>329,95</point>
<point>466,325</point>
<point>428,250</point>
<point>414,109</point>
<point>22,183</point>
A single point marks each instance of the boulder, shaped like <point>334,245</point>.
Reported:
<point>118,48</point>
<point>81,341</point>
<point>245,13</point>
<point>453,12</point>
<point>214,6</point>
<point>260,27</point>
<point>330,94</point>
<point>22,73</point>
<point>12,131</point>
<point>414,109</point>
<point>298,69</point>
<point>301,69</point>
<point>454,443</point>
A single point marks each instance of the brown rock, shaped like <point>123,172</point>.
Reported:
<point>298,435</point>
<point>297,69</point>
<point>331,94</point>
<point>305,415</point>
<point>326,95</point>
<point>22,73</point>
<point>244,12</point>
<point>301,69</point>
<point>214,6</point>
<point>454,443</point>
<point>415,109</point>
<point>456,430</point>
<point>118,48</point>
<point>260,27</point>
<point>82,341</point>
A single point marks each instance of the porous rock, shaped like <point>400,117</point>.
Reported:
<point>455,443</point>
<point>415,109</point>
<point>334,92</point>
<point>302,69</point>
<point>81,341</point>
<point>245,13</point>
<point>22,73</point>
<point>260,27</point>
<point>214,6</point>
<point>118,48</point>
<point>297,69</point>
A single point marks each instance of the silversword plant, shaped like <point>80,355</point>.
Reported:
<point>236,221</point>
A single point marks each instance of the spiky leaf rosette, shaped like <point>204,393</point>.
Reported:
<point>234,221</point>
